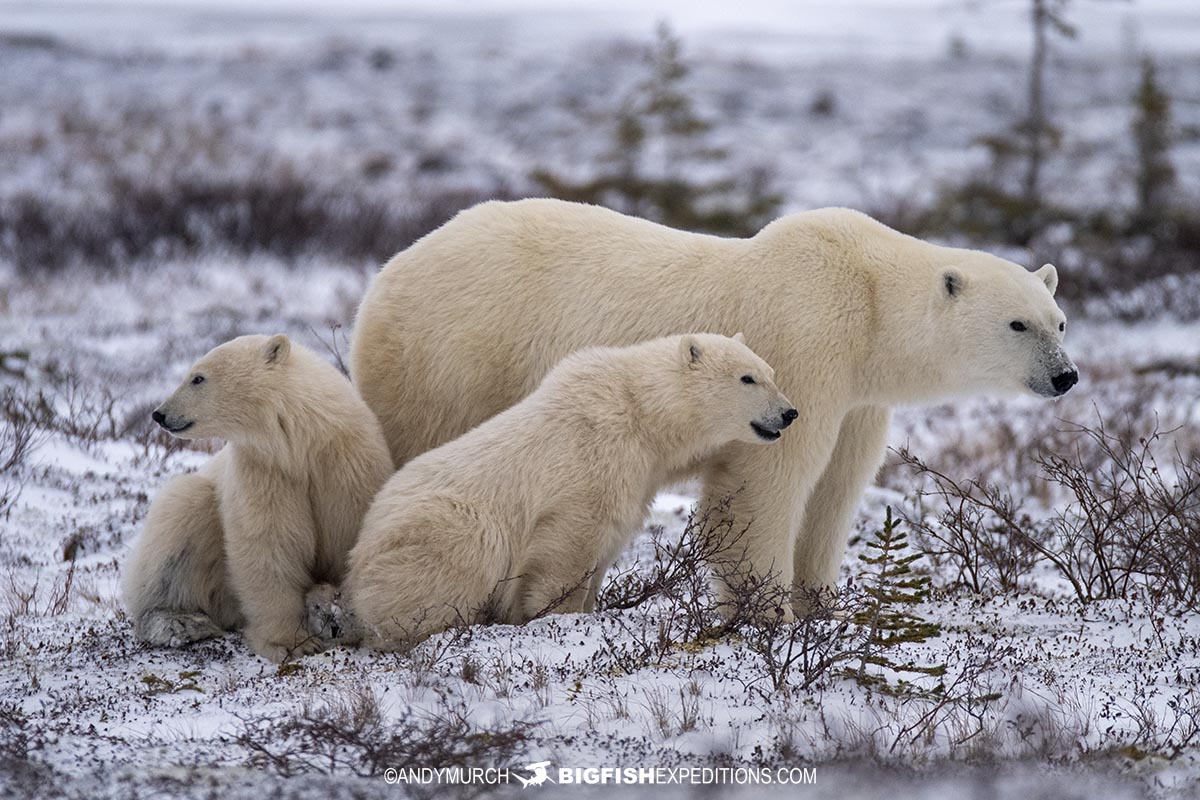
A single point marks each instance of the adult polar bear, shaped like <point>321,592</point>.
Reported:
<point>854,316</point>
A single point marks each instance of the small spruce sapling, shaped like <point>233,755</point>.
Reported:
<point>892,591</point>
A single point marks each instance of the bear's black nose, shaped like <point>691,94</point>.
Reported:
<point>159,418</point>
<point>1064,381</point>
<point>789,417</point>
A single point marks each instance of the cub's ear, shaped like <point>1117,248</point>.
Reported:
<point>739,337</point>
<point>276,350</point>
<point>952,282</point>
<point>1049,276</point>
<point>690,352</point>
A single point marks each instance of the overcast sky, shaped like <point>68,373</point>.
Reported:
<point>832,26</point>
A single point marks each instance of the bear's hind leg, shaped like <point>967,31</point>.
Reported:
<point>172,628</point>
<point>430,566</point>
<point>175,586</point>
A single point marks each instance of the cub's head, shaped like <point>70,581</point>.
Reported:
<point>734,388</point>
<point>1001,329</point>
<point>226,394</point>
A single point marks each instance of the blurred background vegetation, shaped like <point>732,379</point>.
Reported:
<point>117,153</point>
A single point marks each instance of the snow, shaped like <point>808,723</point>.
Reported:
<point>1078,686</point>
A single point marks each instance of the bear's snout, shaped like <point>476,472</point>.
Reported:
<point>1063,381</point>
<point>789,417</point>
<point>171,424</point>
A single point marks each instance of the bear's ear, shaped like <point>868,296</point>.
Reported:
<point>689,351</point>
<point>739,337</point>
<point>952,282</point>
<point>276,350</point>
<point>1049,276</point>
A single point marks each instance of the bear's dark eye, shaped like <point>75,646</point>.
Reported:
<point>1017,326</point>
<point>1062,326</point>
<point>748,379</point>
<point>196,381</point>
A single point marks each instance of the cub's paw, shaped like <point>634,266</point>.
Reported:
<point>329,617</point>
<point>175,628</point>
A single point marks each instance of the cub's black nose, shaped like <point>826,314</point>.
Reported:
<point>789,417</point>
<point>159,418</point>
<point>1064,381</point>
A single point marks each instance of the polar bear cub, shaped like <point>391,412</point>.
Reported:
<point>518,516</point>
<point>275,511</point>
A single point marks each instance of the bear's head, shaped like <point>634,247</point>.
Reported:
<point>1000,329</point>
<point>227,393</point>
<point>734,388</point>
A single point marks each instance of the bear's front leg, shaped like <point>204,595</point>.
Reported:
<point>557,578</point>
<point>829,513</point>
<point>610,552</point>
<point>595,583</point>
<point>753,502</point>
<point>276,617</point>
<point>271,545</point>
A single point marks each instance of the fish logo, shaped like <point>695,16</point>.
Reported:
<point>540,776</point>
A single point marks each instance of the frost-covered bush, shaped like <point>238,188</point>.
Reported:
<point>1129,520</point>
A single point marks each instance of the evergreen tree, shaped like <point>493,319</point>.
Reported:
<point>1008,201</point>
<point>1046,16</point>
<point>1152,137</point>
<point>658,143</point>
<point>892,591</point>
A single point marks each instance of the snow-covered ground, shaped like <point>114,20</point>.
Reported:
<point>1083,691</point>
<point>1099,700</point>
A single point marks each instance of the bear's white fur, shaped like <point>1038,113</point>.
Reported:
<point>855,317</point>
<point>523,514</point>
<point>275,511</point>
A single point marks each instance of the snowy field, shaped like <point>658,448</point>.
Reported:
<point>1042,695</point>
